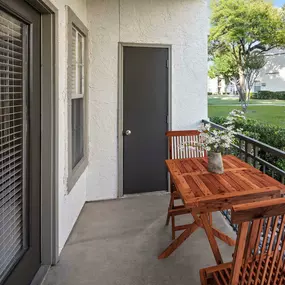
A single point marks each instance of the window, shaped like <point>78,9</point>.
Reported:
<point>77,92</point>
<point>77,97</point>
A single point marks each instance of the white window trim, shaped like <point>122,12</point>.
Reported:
<point>75,173</point>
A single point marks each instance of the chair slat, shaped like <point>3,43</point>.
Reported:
<point>264,244</point>
<point>216,277</point>
<point>222,276</point>
<point>277,245</point>
<point>272,238</point>
<point>279,263</point>
<point>178,139</point>
<point>255,251</point>
<point>239,252</point>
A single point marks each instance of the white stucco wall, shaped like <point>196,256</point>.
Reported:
<point>70,204</point>
<point>273,73</point>
<point>181,23</point>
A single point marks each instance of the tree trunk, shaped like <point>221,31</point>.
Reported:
<point>242,90</point>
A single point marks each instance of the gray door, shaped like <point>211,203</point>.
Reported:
<point>145,108</point>
<point>20,141</point>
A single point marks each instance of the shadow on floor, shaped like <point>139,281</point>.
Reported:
<point>117,243</point>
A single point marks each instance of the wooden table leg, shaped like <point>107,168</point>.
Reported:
<point>211,238</point>
<point>210,219</point>
<point>176,243</point>
<point>204,221</point>
<point>220,235</point>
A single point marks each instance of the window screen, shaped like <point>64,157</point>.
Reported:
<point>11,142</point>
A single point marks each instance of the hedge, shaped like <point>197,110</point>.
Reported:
<point>280,95</point>
<point>269,134</point>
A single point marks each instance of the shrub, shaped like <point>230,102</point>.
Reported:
<point>266,95</point>
<point>252,95</point>
<point>210,93</point>
<point>266,133</point>
<point>269,134</point>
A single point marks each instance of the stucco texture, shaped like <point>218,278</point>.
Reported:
<point>183,24</point>
<point>180,23</point>
<point>69,204</point>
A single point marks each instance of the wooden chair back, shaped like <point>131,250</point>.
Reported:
<point>260,248</point>
<point>182,144</point>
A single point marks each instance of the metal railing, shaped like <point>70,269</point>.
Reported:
<point>260,155</point>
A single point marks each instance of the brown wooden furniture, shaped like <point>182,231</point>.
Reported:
<point>203,192</point>
<point>176,139</point>
<point>259,256</point>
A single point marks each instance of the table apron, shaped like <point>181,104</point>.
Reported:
<point>219,204</point>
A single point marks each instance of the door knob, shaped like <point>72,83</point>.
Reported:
<point>127,133</point>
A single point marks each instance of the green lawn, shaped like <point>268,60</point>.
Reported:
<point>223,100</point>
<point>269,111</point>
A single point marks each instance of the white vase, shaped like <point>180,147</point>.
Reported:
<point>215,163</point>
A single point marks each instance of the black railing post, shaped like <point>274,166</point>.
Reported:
<point>246,151</point>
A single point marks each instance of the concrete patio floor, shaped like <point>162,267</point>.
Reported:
<point>117,243</point>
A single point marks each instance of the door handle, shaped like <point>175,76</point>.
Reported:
<point>127,132</point>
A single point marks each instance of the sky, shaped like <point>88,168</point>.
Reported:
<point>279,3</point>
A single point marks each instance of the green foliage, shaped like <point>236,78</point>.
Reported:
<point>269,134</point>
<point>255,61</point>
<point>223,66</point>
<point>236,24</point>
<point>281,163</point>
<point>280,95</point>
<point>241,32</point>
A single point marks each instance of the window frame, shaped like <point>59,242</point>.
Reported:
<point>74,173</point>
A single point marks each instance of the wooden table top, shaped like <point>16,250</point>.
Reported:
<point>203,191</point>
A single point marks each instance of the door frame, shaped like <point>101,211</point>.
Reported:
<point>120,125</point>
<point>49,129</point>
<point>49,133</point>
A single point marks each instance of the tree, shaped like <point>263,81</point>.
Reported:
<point>252,67</point>
<point>243,30</point>
<point>254,63</point>
<point>223,66</point>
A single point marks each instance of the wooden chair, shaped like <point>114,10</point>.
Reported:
<point>176,140</point>
<point>259,256</point>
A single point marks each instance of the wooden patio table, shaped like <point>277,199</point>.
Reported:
<point>203,192</point>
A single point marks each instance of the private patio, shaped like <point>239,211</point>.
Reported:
<point>118,241</point>
<point>105,83</point>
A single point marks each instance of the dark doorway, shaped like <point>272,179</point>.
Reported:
<point>145,108</point>
<point>20,142</point>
